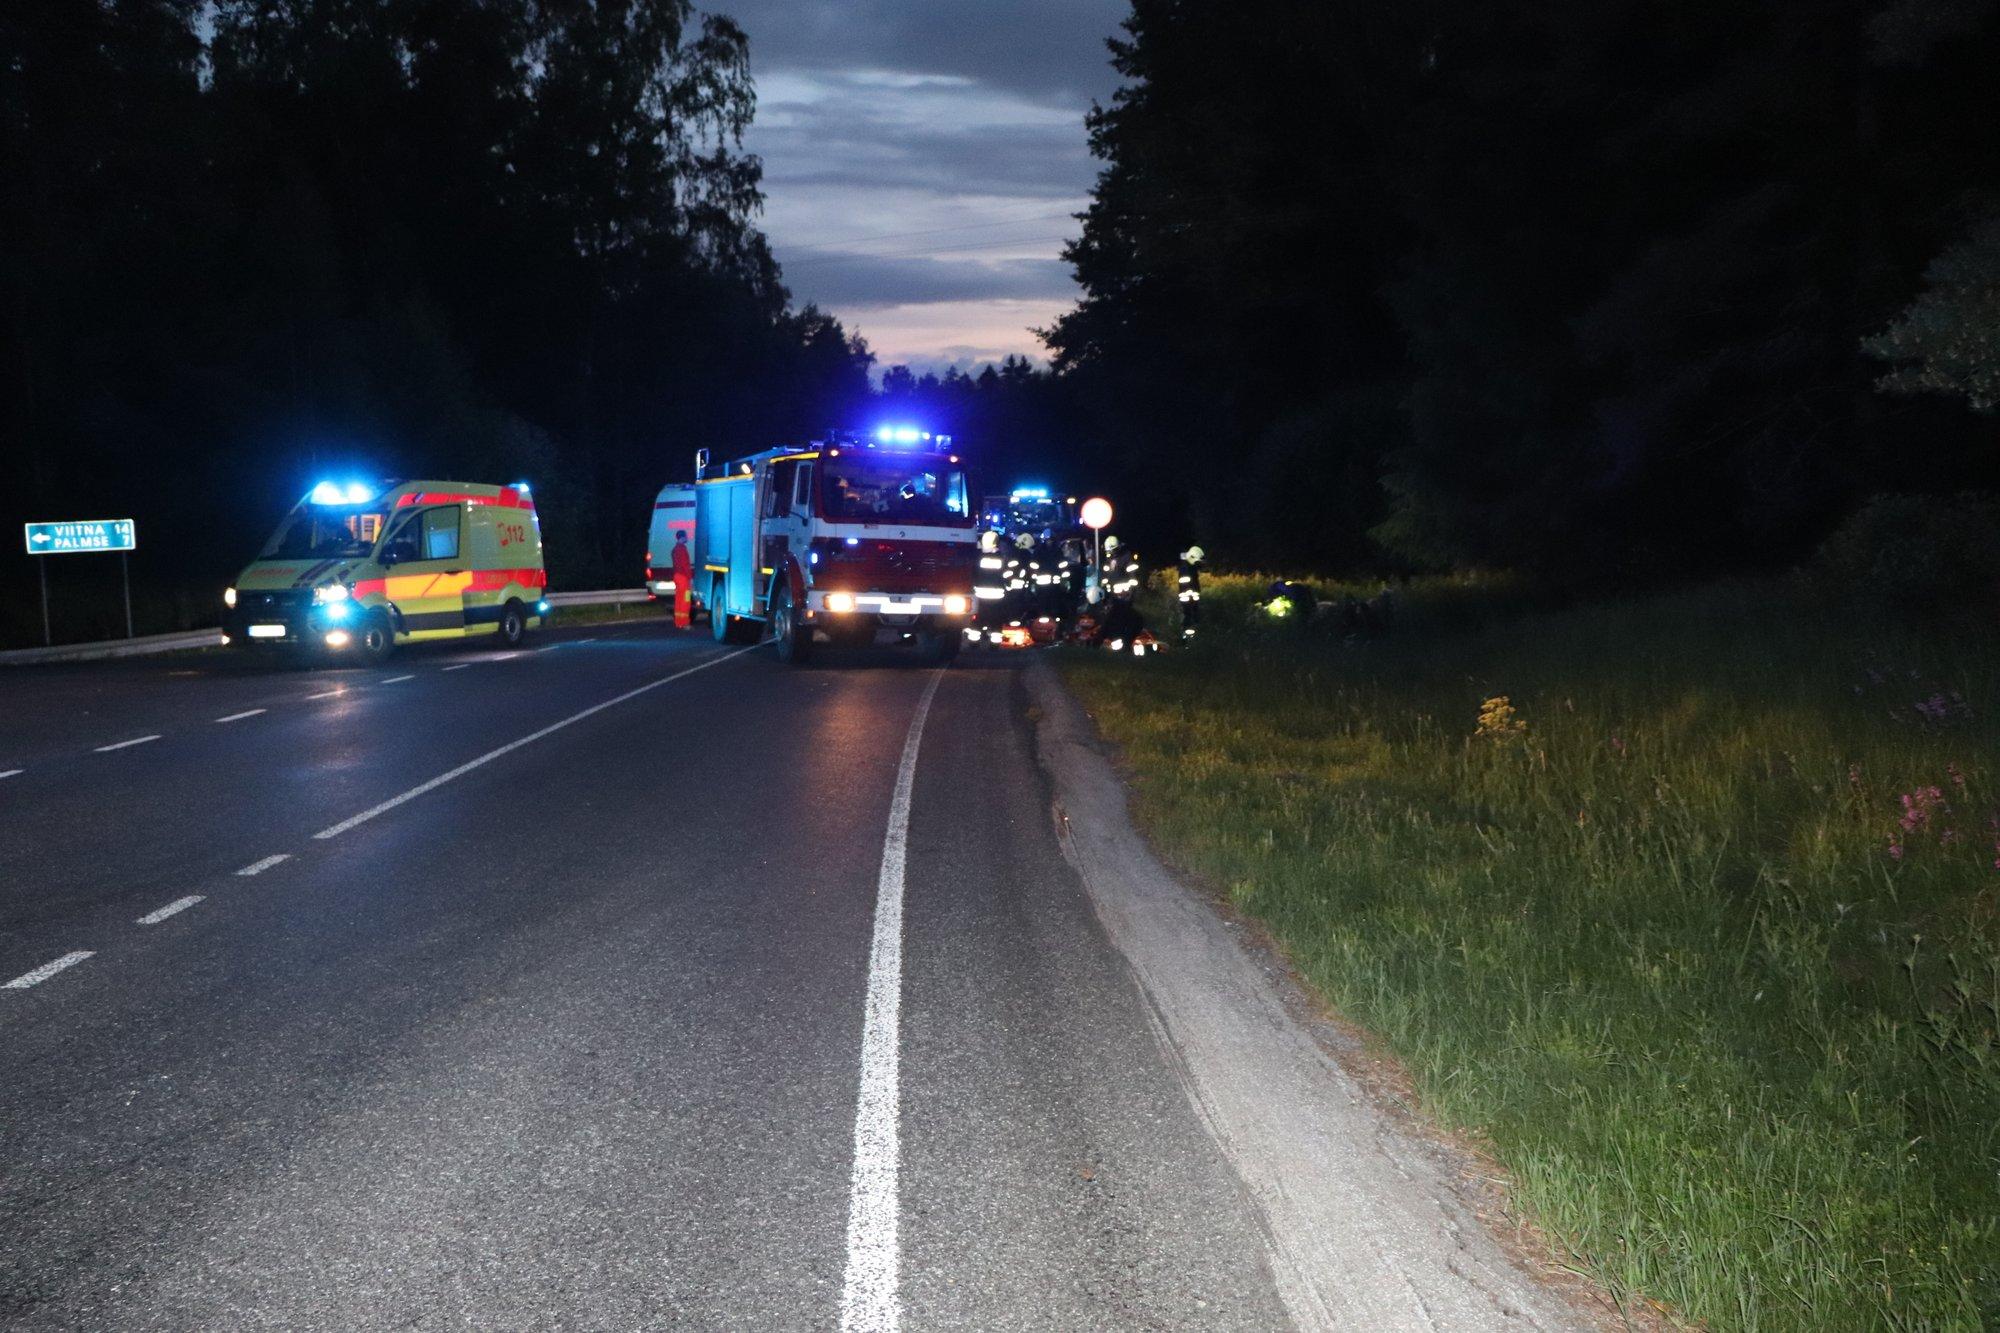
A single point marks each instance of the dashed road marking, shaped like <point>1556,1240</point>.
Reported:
<point>869,1298</point>
<point>238,717</point>
<point>139,740</point>
<point>395,679</point>
<point>330,694</point>
<point>177,905</point>
<point>259,867</point>
<point>458,666</point>
<point>13,773</point>
<point>528,739</point>
<point>47,970</point>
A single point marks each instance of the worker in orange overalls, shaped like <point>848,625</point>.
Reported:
<point>683,582</point>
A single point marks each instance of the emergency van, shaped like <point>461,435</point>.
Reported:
<point>842,539</point>
<point>673,512</point>
<point>356,569</point>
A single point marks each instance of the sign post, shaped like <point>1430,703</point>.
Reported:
<point>82,537</point>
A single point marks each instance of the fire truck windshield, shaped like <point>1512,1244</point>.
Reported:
<point>892,490</point>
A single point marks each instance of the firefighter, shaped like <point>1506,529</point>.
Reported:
<point>1188,589</point>
<point>1121,569</point>
<point>1122,625</point>
<point>989,588</point>
<point>683,582</point>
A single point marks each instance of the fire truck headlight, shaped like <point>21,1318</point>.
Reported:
<point>955,605</point>
<point>229,597</point>
<point>338,638</point>
<point>839,602</point>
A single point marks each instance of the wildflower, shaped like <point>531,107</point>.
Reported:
<point>1854,776</point>
<point>1618,744</point>
<point>1497,719</point>
<point>1956,774</point>
<point>1895,850</point>
<point>1919,806</point>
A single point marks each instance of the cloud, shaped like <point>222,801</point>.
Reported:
<point>922,161</point>
<point>866,282</point>
<point>1051,50</point>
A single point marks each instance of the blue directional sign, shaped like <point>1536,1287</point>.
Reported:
<point>90,534</point>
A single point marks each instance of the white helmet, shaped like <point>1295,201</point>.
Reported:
<point>1111,543</point>
<point>989,540</point>
<point>1194,555</point>
<point>1025,542</point>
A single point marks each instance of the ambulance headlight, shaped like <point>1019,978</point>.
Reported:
<point>338,638</point>
<point>229,598</point>
<point>839,601</point>
<point>328,593</point>
<point>955,605</point>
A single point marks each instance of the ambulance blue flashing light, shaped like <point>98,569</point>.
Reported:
<point>332,493</point>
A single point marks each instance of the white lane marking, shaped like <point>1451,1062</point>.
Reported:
<point>394,679</point>
<point>528,739</point>
<point>330,694</point>
<point>551,648</point>
<point>107,749</point>
<point>177,905</point>
<point>238,717</point>
<point>47,970</point>
<point>13,773</point>
<point>460,666</point>
<point>868,1299</point>
<point>259,867</point>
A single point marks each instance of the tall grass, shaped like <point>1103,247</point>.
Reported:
<point>1697,929</point>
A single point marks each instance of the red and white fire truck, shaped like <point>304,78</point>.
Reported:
<point>839,540</point>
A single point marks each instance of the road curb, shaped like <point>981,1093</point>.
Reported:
<point>1366,1228</point>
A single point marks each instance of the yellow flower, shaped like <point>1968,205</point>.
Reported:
<point>1498,719</point>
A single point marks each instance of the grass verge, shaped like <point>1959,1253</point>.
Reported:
<point>1685,907</point>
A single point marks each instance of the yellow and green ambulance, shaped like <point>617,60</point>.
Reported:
<point>357,568</point>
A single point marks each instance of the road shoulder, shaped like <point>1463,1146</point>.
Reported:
<point>1369,1222</point>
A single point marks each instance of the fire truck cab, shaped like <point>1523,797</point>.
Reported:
<point>839,540</point>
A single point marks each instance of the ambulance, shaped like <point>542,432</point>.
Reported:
<point>673,512</point>
<point>358,568</point>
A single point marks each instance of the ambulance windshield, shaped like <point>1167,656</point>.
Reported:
<point>324,532</point>
<point>891,490</point>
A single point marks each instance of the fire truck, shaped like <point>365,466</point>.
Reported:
<point>841,540</point>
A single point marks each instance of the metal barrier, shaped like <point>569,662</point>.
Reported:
<point>185,640</point>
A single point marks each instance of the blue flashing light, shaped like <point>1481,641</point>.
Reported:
<point>338,611</point>
<point>542,607</point>
<point>333,493</point>
<point>521,486</point>
<point>854,541</point>
<point>1030,493</point>
<point>902,434</point>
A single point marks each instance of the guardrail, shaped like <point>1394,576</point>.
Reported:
<point>184,640</point>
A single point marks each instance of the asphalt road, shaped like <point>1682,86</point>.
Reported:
<point>579,1036</point>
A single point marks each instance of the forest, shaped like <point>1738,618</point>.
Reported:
<point>1613,295</point>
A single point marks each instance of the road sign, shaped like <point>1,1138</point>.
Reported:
<point>87,536</point>
<point>83,535</point>
<point>1096,513</point>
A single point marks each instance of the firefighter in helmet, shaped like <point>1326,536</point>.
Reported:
<point>1188,589</point>
<point>989,587</point>
<point>1121,572</point>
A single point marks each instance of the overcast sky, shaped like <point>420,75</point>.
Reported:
<point>921,161</point>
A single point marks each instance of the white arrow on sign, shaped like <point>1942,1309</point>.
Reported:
<point>40,537</point>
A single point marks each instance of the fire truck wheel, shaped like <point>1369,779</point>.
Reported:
<point>375,640</point>
<point>718,619</point>
<point>792,636</point>
<point>938,647</point>
<point>513,626</point>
